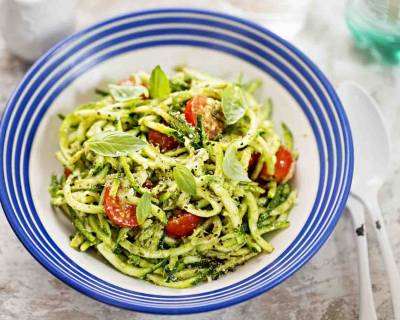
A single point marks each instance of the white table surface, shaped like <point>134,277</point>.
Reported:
<point>326,288</point>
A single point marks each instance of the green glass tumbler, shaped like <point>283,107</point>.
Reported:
<point>375,25</point>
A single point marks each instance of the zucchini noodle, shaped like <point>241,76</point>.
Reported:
<point>174,180</point>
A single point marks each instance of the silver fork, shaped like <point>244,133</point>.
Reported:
<point>366,302</point>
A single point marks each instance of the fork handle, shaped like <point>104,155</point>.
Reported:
<point>387,253</point>
<point>366,305</point>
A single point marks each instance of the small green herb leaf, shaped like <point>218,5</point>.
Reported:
<point>114,143</point>
<point>184,179</point>
<point>143,208</point>
<point>179,124</point>
<point>123,93</point>
<point>233,104</point>
<point>232,167</point>
<point>203,137</point>
<point>159,84</point>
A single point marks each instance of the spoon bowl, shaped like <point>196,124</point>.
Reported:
<point>371,140</point>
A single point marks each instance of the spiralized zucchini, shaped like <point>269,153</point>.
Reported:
<point>174,180</point>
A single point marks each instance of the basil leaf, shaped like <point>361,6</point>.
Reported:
<point>143,208</point>
<point>159,84</point>
<point>114,143</point>
<point>123,93</point>
<point>233,104</point>
<point>232,167</point>
<point>184,179</point>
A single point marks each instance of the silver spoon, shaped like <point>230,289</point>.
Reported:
<point>372,153</point>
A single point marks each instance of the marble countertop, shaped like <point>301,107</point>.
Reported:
<point>326,288</point>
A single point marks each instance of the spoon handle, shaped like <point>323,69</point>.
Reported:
<point>366,304</point>
<point>387,253</point>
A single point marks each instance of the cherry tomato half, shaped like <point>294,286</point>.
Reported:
<point>198,106</point>
<point>118,211</point>
<point>182,224</point>
<point>192,108</point>
<point>161,140</point>
<point>284,165</point>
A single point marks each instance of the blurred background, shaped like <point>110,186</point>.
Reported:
<point>349,40</point>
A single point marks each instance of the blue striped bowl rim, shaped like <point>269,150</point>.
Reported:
<point>84,50</point>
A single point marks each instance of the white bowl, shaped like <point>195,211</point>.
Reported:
<point>221,45</point>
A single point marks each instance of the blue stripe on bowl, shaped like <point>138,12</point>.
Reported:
<point>331,130</point>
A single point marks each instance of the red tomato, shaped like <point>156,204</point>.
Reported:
<point>182,224</point>
<point>118,211</point>
<point>284,165</point>
<point>192,108</point>
<point>67,172</point>
<point>198,106</point>
<point>162,140</point>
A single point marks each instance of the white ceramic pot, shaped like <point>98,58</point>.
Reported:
<point>31,27</point>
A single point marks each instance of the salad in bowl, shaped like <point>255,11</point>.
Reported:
<point>174,180</point>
